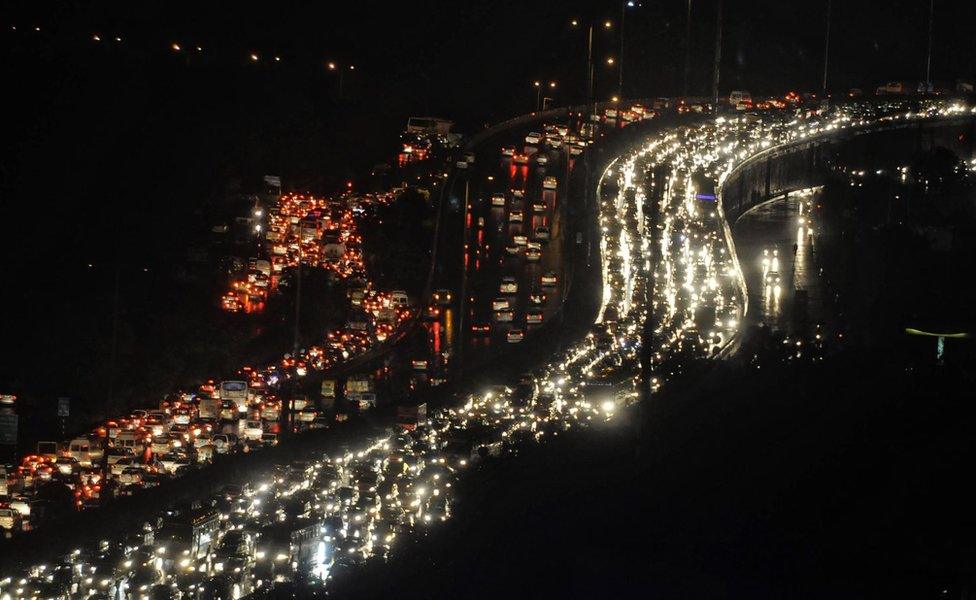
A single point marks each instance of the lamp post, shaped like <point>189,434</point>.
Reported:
<point>623,19</point>
<point>341,69</point>
<point>826,50</point>
<point>928,58</point>
<point>589,55</point>
<point>538,91</point>
<point>687,48</point>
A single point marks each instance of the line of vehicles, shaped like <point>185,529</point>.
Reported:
<point>319,518</point>
<point>302,229</point>
<point>149,446</point>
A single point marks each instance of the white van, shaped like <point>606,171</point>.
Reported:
<point>131,441</point>
<point>739,97</point>
<point>9,519</point>
<point>253,431</point>
<point>398,298</point>
<point>86,451</point>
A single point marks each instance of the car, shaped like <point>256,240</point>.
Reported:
<point>537,297</point>
<point>520,240</point>
<point>498,199</point>
<point>549,279</point>
<point>468,157</point>
<point>542,233</point>
<point>549,183</point>
<point>515,216</point>
<point>509,285</point>
<point>533,254</point>
<point>130,476</point>
<point>520,158</point>
<point>505,316</point>
<point>514,336</point>
<point>480,328</point>
<point>541,159</point>
<point>538,207</point>
<point>533,137</point>
<point>432,312</point>
<point>576,149</point>
<point>508,150</point>
<point>533,316</point>
<point>501,304</point>
<point>611,113</point>
<point>442,297</point>
<point>533,246</point>
<point>513,249</point>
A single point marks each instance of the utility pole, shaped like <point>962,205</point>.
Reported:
<point>687,48</point>
<point>928,59</point>
<point>826,50</point>
<point>716,69</point>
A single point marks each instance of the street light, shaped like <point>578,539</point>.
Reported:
<point>589,54</point>
<point>538,91</point>
<point>334,66</point>
<point>623,21</point>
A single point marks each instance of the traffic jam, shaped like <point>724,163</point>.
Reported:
<point>514,251</point>
<point>308,522</point>
<point>301,229</point>
<point>190,429</point>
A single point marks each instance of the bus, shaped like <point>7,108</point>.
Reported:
<point>235,391</point>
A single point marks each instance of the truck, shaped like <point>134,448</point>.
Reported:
<point>208,407</point>
<point>235,391</point>
<point>409,417</point>
<point>47,450</point>
<point>894,87</point>
<point>328,388</point>
<point>359,384</point>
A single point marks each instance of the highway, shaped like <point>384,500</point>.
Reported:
<point>672,292</point>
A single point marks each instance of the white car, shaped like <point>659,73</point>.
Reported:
<point>543,233</point>
<point>515,336</point>
<point>534,137</point>
<point>549,183</point>
<point>498,199</point>
<point>520,240</point>
<point>500,304</point>
<point>539,207</point>
<point>505,316</point>
<point>533,255</point>
<point>533,317</point>
<point>509,285</point>
<point>549,279</point>
<point>541,159</point>
<point>515,216</point>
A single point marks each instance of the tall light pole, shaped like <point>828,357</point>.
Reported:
<point>687,48</point>
<point>538,91</point>
<point>716,69</point>
<point>928,59</point>
<point>589,54</point>
<point>334,66</point>
<point>826,50</point>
